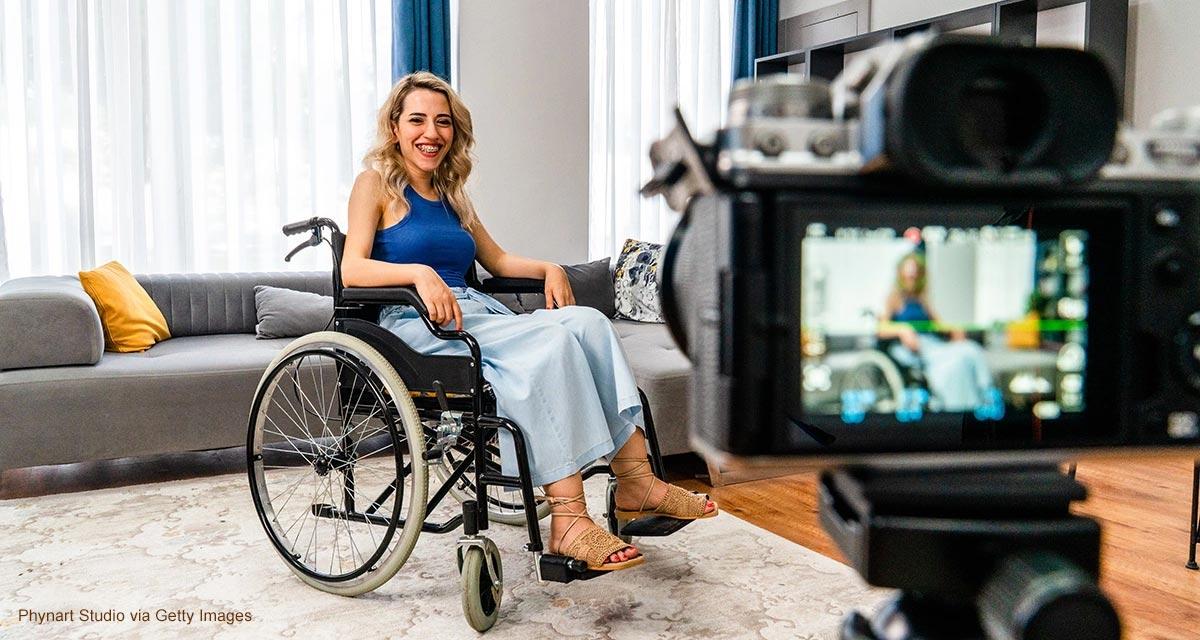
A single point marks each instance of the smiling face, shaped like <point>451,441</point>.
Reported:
<point>424,132</point>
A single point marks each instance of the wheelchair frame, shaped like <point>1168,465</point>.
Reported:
<point>444,386</point>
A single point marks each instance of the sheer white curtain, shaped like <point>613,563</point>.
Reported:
<point>646,57</point>
<point>180,136</point>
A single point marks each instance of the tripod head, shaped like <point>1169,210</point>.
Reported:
<point>977,553</point>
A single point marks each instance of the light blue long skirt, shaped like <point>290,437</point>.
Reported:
<point>559,374</point>
<point>956,370</point>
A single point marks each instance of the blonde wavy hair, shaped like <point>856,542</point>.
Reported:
<point>450,177</point>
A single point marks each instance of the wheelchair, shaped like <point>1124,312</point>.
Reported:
<point>347,426</point>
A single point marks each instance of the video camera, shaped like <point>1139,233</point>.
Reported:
<point>940,274</point>
<point>1057,291</point>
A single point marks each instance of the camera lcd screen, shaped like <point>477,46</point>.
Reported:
<point>909,325</point>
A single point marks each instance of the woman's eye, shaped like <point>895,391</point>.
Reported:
<point>445,123</point>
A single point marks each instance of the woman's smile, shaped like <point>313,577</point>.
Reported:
<point>429,150</point>
<point>424,131</point>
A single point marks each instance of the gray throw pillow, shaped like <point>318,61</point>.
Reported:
<point>592,284</point>
<point>286,313</point>
<point>636,281</point>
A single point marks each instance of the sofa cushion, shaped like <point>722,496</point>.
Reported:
<point>131,320</point>
<point>183,394</point>
<point>178,356</point>
<point>663,373</point>
<point>197,304</point>
<point>48,321</point>
<point>287,313</point>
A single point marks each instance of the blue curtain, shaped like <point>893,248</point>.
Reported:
<point>755,25</point>
<point>420,37</point>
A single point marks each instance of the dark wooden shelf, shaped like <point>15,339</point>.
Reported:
<point>1105,32</point>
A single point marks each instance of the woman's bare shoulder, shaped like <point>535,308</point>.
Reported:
<point>369,189</point>
<point>370,181</point>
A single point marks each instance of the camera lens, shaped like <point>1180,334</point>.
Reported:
<point>1002,119</point>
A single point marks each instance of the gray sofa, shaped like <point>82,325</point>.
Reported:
<point>64,399</point>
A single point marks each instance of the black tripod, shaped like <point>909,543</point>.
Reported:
<point>1194,539</point>
<point>977,553</point>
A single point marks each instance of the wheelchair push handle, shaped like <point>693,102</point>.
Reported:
<point>292,228</point>
<point>313,224</point>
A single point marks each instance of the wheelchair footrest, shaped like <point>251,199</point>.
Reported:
<point>564,569</point>
<point>653,526</point>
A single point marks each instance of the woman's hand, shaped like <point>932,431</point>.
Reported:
<point>958,335</point>
<point>438,298</point>
<point>558,288</point>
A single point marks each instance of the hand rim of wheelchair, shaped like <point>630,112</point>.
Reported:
<point>363,361</point>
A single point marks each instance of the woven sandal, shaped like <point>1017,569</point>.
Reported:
<point>679,503</point>
<point>594,545</point>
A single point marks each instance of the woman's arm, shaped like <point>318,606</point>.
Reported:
<point>359,270</point>
<point>499,262</point>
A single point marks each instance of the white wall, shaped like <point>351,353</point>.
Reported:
<point>1162,60</point>
<point>1163,63</point>
<point>523,71</point>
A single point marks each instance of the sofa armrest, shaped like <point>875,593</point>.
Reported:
<point>48,321</point>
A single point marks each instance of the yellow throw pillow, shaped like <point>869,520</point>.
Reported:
<point>132,322</point>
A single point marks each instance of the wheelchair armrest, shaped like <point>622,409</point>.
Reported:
<point>409,296</point>
<point>512,285</point>
<point>385,295</point>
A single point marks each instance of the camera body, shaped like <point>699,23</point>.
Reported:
<point>952,249</point>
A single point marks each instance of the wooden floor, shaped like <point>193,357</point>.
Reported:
<point>1143,504</point>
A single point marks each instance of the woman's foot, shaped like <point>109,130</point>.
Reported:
<point>570,523</point>
<point>640,492</point>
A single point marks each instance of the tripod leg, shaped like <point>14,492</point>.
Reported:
<point>1194,537</point>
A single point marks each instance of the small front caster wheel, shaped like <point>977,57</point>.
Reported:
<point>483,585</point>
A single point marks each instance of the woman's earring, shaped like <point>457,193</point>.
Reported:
<point>396,146</point>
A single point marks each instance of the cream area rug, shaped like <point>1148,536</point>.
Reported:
<point>189,559</point>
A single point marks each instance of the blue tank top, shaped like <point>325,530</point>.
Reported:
<point>912,311</point>
<point>429,234</point>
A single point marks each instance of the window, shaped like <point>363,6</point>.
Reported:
<point>180,136</point>
<point>646,57</point>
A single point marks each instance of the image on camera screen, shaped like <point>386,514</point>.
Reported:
<point>989,321</point>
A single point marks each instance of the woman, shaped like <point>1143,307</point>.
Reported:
<point>559,372</point>
<point>957,374</point>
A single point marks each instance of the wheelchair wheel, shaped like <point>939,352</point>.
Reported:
<point>334,450</point>
<point>505,507</point>
<point>482,578</point>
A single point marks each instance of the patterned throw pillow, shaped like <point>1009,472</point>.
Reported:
<point>636,281</point>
